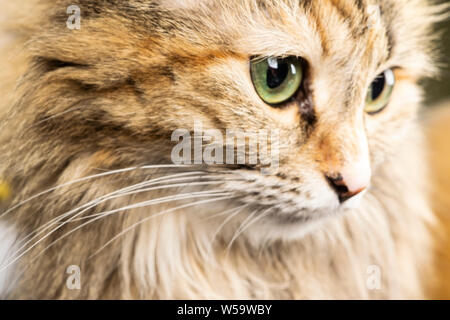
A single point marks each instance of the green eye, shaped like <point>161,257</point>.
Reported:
<point>276,80</point>
<point>380,92</point>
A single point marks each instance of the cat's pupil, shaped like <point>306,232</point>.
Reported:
<point>276,73</point>
<point>378,86</point>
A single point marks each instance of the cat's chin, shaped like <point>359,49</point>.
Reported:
<point>292,227</point>
<point>261,222</point>
<point>295,230</point>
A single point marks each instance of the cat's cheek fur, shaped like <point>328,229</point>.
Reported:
<point>388,129</point>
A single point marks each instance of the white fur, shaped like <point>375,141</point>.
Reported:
<point>7,240</point>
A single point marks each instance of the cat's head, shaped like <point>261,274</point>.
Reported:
<point>335,79</point>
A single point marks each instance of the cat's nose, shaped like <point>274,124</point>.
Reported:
<point>350,181</point>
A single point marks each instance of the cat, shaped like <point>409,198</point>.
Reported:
<point>97,208</point>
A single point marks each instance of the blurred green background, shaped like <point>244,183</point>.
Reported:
<point>439,89</point>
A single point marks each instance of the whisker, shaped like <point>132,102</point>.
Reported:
<point>234,214</point>
<point>247,224</point>
<point>100,175</point>
<point>154,216</point>
<point>107,213</point>
<point>54,116</point>
<point>179,185</point>
<point>240,227</point>
<point>118,193</point>
<point>108,197</point>
<point>224,212</point>
<point>112,195</point>
<point>87,207</point>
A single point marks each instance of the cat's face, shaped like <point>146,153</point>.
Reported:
<point>336,79</point>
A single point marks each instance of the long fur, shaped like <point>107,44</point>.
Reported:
<point>108,96</point>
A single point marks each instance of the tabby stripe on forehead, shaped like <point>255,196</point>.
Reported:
<point>314,11</point>
<point>355,20</point>
<point>386,11</point>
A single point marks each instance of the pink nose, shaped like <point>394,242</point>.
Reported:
<point>350,181</point>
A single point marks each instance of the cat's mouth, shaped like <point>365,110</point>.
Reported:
<point>274,206</point>
<point>289,222</point>
<point>284,201</point>
<point>302,216</point>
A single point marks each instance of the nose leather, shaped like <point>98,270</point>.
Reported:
<point>342,189</point>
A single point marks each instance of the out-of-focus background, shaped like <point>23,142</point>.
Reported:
<point>438,90</point>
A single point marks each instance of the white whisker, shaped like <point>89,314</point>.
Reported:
<point>118,193</point>
<point>240,227</point>
<point>225,212</point>
<point>234,214</point>
<point>179,185</point>
<point>154,216</point>
<point>107,213</point>
<point>100,175</point>
<point>247,223</point>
